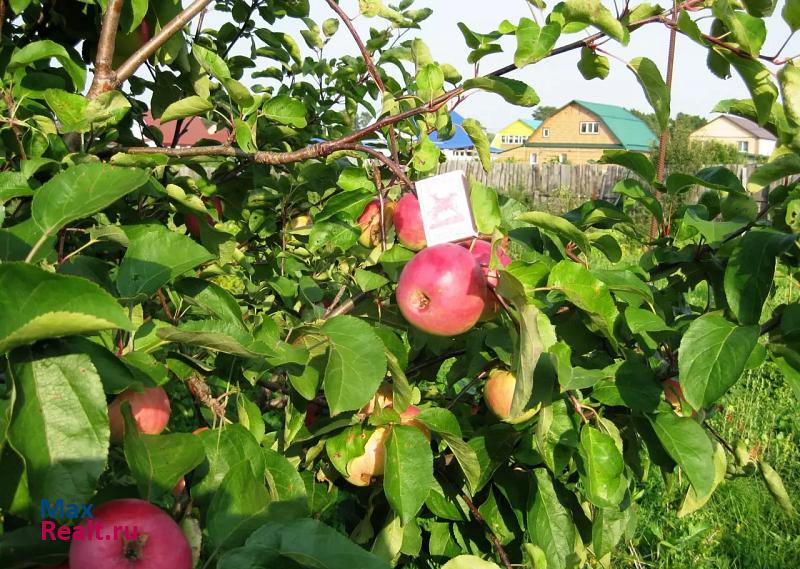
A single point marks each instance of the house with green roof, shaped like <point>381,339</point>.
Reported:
<point>579,132</point>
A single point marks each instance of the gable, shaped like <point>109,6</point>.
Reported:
<point>632,132</point>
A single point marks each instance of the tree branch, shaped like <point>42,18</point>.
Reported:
<point>172,27</point>
<point>373,71</point>
<point>104,78</point>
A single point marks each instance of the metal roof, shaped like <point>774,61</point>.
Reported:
<point>459,140</point>
<point>533,123</point>
<point>749,126</point>
<point>632,132</point>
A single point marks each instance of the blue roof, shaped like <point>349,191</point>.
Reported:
<point>533,123</point>
<point>459,140</point>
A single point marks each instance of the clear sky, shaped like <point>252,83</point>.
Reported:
<point>556,79</point>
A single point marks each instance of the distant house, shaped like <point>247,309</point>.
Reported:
<point>515,134</point>
<point>745,135</point>
<point>193,130</point>
<point>579,132</point>
<point>460,145</point>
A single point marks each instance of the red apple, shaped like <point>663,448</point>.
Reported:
<point>370,222</point>
<point>442,290</point>
<point>192,222</point>
<point>364,468</point>
<point>499,392</point>
<point>150,409</point>
<point>482,251</point>
<point>408,223</point>
<point>133,534</point>
<point>407,418</point>
<point>126,44</point>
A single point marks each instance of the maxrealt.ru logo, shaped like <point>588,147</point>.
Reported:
<point>85,530</point>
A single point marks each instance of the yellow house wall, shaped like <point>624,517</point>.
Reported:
<point>547,155</point>
<point>517,128</point>
<point>726,132</point>
<point>565,128</point>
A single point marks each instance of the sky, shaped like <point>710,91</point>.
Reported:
<point>555,79</point>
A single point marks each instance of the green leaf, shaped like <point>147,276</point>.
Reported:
<point>789,78</point>
<point>224,449</point>
<point>694,501</point>
<point>211,62</point>
<point>59,424</point>
<point>356,363</point>
<point>791,14</point>
<point>156,256</point>
<point>608,527</point>
<point>513,91</point>
<point>477,135</point>
<point>23,546</point>
<point>603,468</point>
<point>559,226</point>
<point>766,174</point>
<point>712,356</point>
<point>745,30</point>
<point>586,292</point>
<point>655,89</point>
<point>69,108</point>
<point>306,542</point>
<point>286,487</point>
<point>550,524</point>
<point>426,155</point>
<point>776,487</point>
<point>759,82</point>
<point>220,336</point>
<point>332,234</point>
<point>47,49</point>
<point>594,13</point>
<point>408,475</point>
<point>634,190</point>
<point>430,80</point>
<point>368,281</point>
<point>238,507</point>
<point>286,110</point>
<point>534,42</point>
<point>211,298</point>
<point>634,161</point>
<point>469,562</point>
<point>592,65</point>
<point>80,192</point>
<point>37,304</point>
<point>750,272</point>
<point>688,445</point>
<point>157,462</point>
<point>189,107</point>
<point>14,185</point>
<point>485,207</point>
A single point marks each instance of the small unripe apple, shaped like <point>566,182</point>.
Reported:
<point>499,392</point>
<point>408,223</point>
<point>442,290</point>
<point>364,468</point>
<point>370,222</point>
<point>300,221</point>
<point>150,410</point>
<point>132,534</point>
<point>407,417</point>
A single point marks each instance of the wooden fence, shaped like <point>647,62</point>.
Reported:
<point>559,186</point>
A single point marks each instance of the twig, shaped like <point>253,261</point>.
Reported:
<point>347,306</point>
<point>202,392</point>
<point>172,27</point>
<point>498,547</point>
<point>373,71</point>
<point>772,323</point>
<point>2,16</point>
<point>104,78</point>
<point>14,126</point>
<point>240,31</point>
<point>335,302</point>
<point>165,306</point>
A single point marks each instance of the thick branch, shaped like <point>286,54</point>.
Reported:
<point>103,71</point>
<point>170,29</point>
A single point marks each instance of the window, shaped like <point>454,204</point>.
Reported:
<point>534,159</point>
<point>744,146</point>
<point>590,127</point>
<point>545,132</point>
<point>562,158</point>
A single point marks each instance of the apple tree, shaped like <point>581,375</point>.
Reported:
<point>250,334</point>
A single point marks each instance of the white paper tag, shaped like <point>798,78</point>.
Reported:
<point>444,203</point>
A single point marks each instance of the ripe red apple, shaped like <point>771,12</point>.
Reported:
<point>673,392</point>
<point>370,222</point>
<point>482,251</point>
<point>499,392</point>
<point>125,44</point>
<point>150,409</point>
<point>442,290</point>
<point>364,468</point>
<point>408,223</point>
<point>135,535</point>
<point>192,222</point>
